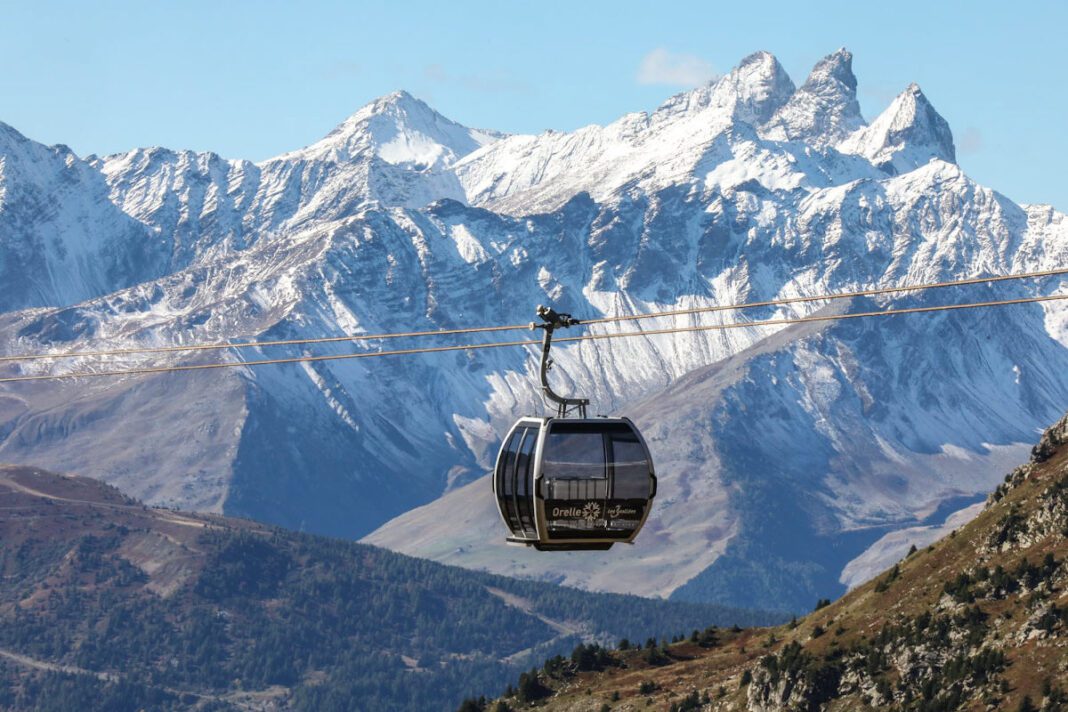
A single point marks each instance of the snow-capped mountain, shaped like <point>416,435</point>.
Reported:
<point>908,134</point>
<point>394,151</point>
<point>61,239</point>
<point>783,453</point>
<point>824,110</point>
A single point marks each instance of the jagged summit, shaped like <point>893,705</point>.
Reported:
<point>397,150</point>
<point>762,70</point>
<point>825,109</point>
<point>400,97</point>
<point>399,129</point>
<point>16,146</point>
<point>908,134</point>
<point>61,239</point>
<point>750,93</point>
<point>833,75</point>
<point>759,85</point>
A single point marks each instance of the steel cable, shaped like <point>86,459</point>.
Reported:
<point>514,327</point>
<point>502,344</point>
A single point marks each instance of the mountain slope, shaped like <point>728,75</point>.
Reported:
<point>61,240</point>
<point>744,505</point>
<point>140,607</point>
<point>976,620</point>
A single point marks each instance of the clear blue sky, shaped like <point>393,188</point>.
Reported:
<point>254,79</point>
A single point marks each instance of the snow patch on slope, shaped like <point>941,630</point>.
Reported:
<point>893,547</point>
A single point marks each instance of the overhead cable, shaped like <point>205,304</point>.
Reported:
<point>502,344</point>
<point>515,327</point>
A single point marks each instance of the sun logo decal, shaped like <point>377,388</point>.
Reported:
<point>591,512</point>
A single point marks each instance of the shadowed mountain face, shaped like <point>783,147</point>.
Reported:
<point>789,450</point>
<point>115,605</point>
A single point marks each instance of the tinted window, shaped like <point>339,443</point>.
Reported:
<point>574,455</point>
<point>505,464</point>
<point>631,479</point>
<point>506,480</point>
<point>524,473</point>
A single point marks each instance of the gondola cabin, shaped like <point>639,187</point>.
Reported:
<point>573,483</point>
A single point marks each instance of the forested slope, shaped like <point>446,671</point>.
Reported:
<point>108,604</point>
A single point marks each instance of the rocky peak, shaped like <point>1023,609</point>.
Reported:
<point>399,129</point>
<point>825,109</point>
<point>751,92</point>
<point>1052,439</point>
<point>833,76</point>
<point>761,86</point>
<point>907,135</point>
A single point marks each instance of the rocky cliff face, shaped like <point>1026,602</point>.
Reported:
<point>985,620</point>
<point>748,188</point>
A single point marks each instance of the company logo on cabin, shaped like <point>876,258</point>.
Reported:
<point>591,512</point>
<point>620,511</point>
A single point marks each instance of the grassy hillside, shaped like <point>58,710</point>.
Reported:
<point>108,604</point>
<point>976,621</point>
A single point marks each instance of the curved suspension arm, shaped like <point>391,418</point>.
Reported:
<point>552,320</point>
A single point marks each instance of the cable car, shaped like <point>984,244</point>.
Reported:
<point>572,483</point>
